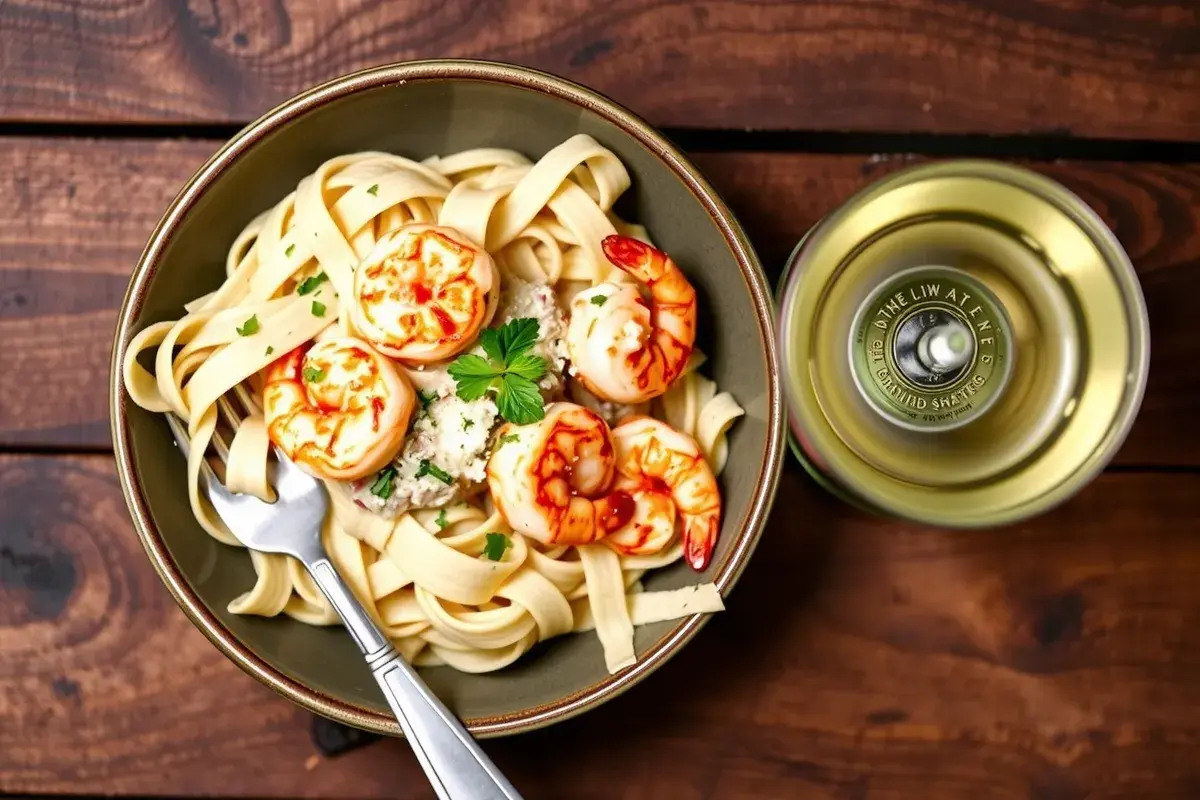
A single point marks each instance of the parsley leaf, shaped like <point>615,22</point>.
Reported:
<point>599,299</point>
<point>385,483</point>
<point>441,519</point>
<point>468,423</point>
<point>249,327</point>
<point>318,308</point>
<point>427,467</point>
<point>374,190</point>
<point>496,544</point>
<point>517,336</point>
<point>527,366</point>
<point>313,375</point>
<point>270,349</point>
<point>508,371</point>
<point>474,376</point>
<point>291,248</point>
<point>519,401</point>
<point>489,339</point>
<point>505,439</point>
<point>309,285</point>
<point>425,398</point>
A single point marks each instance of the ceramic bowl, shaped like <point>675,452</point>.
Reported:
<point>418,109</point>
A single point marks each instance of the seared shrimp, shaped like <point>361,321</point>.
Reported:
<point>622,349</point>
<point>549,479</point>
<point>424,292</point>
<point>665,472</point>
<point>337,408</point>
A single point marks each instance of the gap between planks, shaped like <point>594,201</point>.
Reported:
<point>1036,147</point>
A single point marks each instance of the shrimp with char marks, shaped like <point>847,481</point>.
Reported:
<point>622,348</point>
<point>423,294</point>
<point>672,486</point>
<point>550,479</point>
<point>337,408</point>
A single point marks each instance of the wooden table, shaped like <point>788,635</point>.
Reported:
<point>859,658</point>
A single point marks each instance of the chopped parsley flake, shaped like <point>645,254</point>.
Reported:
<point>249,327</point>
<point>374,190</point>
<point>496,544</point>
<point>291,248</point>
<point>441,519</point>
<point>270,349</point>
<point>318,308</point>
<point>427,467</point>
<point>385,483</point>
<point>599,299</point>
<point>313,375</point>
<point>309,285</point>
<point>468,424</point>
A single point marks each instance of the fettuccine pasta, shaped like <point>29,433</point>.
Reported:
<point>494,376</point>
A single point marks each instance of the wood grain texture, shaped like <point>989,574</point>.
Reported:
<point>1000,66</point>
<point>858,659</point>
<point>78,214</point>
<point>84,208</point>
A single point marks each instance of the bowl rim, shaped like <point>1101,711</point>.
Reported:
<point>444,70</point>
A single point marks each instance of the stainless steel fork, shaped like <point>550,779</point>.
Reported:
<point>452,760</point>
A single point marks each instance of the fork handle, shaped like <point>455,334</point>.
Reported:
<point>456,766</point>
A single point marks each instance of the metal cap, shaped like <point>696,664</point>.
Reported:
<point>931,349</point>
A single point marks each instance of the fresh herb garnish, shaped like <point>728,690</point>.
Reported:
<point>599,299</point>
<point>425,398</point>
<point>510,339</point>
<point>506,438</point>
<point>527,366</point>
<point>249,327</point>
<point>313,375</point>
<point>519,400</point>
<point>427,467</point>
<point>495,546</point>
<point>468,423</point>
<point>374,190</point>
<point>441,520</point>
<point>291,248</point>
<point>310,284</point>
<point>385,483</point>
<point>270,349</point>
<point>508,371</point>
<point>318,308</point>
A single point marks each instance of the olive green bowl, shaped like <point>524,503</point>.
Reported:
<point>418,109</point>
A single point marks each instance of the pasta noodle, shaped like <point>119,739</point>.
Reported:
<point>694,406</point>
<point>422,574</point>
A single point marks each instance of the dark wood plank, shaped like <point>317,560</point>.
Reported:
<point>857,659</point>
<point>79,213</point>
<point>1001,66</point>
<point>83,209</point>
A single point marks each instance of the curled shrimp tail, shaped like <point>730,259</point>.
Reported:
<point>646,263</point>
<point>699,540</point>
<point>672,306</point>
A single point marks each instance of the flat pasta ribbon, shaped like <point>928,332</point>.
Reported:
<point>424,576</point>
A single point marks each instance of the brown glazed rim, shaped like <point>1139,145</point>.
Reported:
<point>439,70</point>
